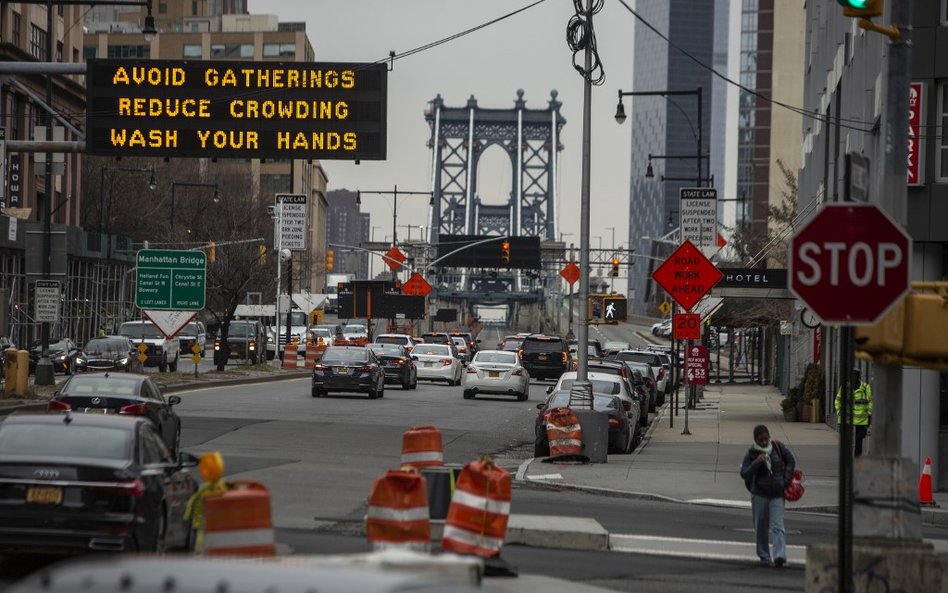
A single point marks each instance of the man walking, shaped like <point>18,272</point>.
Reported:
<point>861,411</point>
<point>767,469</point>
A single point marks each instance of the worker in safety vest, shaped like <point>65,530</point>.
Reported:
<point>861,408</point>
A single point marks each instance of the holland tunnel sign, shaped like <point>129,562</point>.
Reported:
<point>275,110</point>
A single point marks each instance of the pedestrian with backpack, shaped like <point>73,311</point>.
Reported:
<point>767,469</point>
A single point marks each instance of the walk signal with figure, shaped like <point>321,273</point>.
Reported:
<point>505,252</point>
<point>615,267</point>
<point>329,258</point>
<point>861,8</point>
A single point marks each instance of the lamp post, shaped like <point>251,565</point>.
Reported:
<point>175,184</point>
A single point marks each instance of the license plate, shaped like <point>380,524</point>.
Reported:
<point>97,410</point>
<point>44,495</point>
<point>429,364</point>
<point>493,374</point>
<point>343,370</point>
<point>542,357</point>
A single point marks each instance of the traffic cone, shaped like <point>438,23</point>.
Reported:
<point>925,484</point>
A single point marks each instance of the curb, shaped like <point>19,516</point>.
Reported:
<point>177,388</point>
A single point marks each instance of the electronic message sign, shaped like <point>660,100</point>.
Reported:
<point>217,109</point>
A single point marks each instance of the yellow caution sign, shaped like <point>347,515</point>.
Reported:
<point>142,358</point>
<point>196,348</point>
<point>196,358</point>
<point>143,347</point>
<point>665,308</point>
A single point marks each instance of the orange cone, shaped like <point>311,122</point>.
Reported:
<point>925,484</point>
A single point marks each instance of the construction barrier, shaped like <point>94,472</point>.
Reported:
<point>925,484</point>
<point>290,356</point>
<point>237,522</point>
<point>397,516</point>
<point>421,447</point>
<point>480,509</point>
<point>564,434</point>
<point>313,354</point>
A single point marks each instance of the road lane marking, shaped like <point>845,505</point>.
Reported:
<point>696,548</point>
<point>546,477</point>
<point>210,387</point>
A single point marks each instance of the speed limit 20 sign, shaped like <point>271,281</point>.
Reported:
<point>687,326</point>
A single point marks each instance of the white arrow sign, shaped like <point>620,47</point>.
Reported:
<point>170,322</point>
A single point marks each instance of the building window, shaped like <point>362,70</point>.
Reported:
<point>191,50</point>
<point>129,51</point>
<point>943,132</point>
<point>194,7</point>
<point>16,29</point>
<point>90,52</point>
<point>162,6</point>
<point>59,51</point>
<point>273,50</point>
<point>38,39</point>
<point>231,50</point>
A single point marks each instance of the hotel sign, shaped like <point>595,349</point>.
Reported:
<point>216,109</point>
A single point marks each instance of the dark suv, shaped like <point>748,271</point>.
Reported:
<point>245,341</point>
<point>544,357</point>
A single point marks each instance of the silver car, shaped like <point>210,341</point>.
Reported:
<point>436,362</point>
<point>604,384</point>
<point>496,371</point>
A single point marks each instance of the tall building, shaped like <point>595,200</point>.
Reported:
<point>188,30</point>
<point>845,83</point>
<point>668,126</point>
<point>348,225</point>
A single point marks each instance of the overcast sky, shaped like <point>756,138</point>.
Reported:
<point>527,51</point>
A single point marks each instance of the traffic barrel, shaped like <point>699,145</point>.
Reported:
<point>480,508</point>
<point>565,435</point>
<point>312,355</point>
<point>398,516</point>
<point>290,356</point>
<point>925,484</point>
<point>237,522</point>
<point>421,447</point>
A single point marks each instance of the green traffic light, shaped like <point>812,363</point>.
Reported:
<point>853,3</point>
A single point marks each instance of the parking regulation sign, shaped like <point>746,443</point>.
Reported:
<point>291,216</point>
<point>47,297</point>
<point>698,212</point>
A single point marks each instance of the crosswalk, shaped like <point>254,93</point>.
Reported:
<point>697,548</point>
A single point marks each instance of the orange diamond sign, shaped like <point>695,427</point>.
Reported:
<point>570,273</point>
<point>416,286</point>
<point>394,258</point>
<point>687,275</point>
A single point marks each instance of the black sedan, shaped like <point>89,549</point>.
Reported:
<point>75,483</point>
<point>128,395</point>
<point>110,353</point>
<point>397,364</point>
<point>349,368</point>
<point>621,432</point>
<point>62,353</point>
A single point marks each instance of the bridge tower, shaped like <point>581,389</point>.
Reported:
<point>460,135</point>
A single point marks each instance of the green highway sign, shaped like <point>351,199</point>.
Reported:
<point>170,279</point>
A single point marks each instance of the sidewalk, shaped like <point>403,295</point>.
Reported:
<point>703,467</point>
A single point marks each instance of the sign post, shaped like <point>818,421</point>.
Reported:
<point>698,216</point>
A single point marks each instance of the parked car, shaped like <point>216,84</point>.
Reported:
<point>397,364</point>
<point>612,346</point>
<point>194,333</point>
<point>603,384</point>
<point>593,352</point>
<point>163,352</point>
<point>648,376</point>
<point>75,483</point>
<point>128,395</point>
<point>348,368</point>
<point>437,362</point>
<point>622,436</point>
<point>496,371</point>
<point>109,353</point>
<point>662,377</point>
<point>62,354</point>
<point>404,340</point>
<point>545,357</point>
<point>245,338</point>
<point>633,378</point>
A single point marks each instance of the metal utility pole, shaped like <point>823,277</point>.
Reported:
<point>582,378</point>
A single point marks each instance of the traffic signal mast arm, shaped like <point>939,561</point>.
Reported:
<point>864,10</point>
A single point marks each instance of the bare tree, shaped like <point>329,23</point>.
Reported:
<point>770,247</point>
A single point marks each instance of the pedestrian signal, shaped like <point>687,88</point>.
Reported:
<point>615,267</point>
<point>505,252</point>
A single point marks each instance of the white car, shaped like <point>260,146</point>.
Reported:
<point>603,384</point>
<point>355,332</point>
<point>408,342</point>
<point>496,371</point>
<point>463,353</point>
<point>436,362</point>
<point>322,336</point>
<point>664,386</point>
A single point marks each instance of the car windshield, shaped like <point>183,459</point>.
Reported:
<point>189,330</point>
<point>356,329</point>
<point>544,345</point>
<point>107,346</point>
<point>140,330</point>
<point>616,346</point>
<point>498,357</point>
<point>401,341</point>
<point>561,399</point>
<point>387,349</point>
<point>59,345</point>
<point>239,330</point>
<point>598,386</point>
<point>111,385</point>
<point>511,344</point>
<point>459,341</point>
<point>322,333</point>
<point>64,440</point>
<point>433,349</point>
<point>646,357</point>
<point>345,355</point>
<point>435,338</point>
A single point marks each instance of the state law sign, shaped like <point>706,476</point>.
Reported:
<point>850,264</point>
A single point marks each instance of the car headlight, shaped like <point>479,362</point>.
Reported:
<point>60,358</point>
<point>122,361</point>
<point>80,360</point>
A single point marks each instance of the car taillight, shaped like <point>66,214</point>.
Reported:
<point>134,409</point>
<point>319,367</point>
<point>447,362</point>
<point>518,372</point>
<point>613,422</point>
<point>365,369</point>
<point>470,344</point>
<point>565,358</point>
<point>57,406</point>
<point>132,488</point>
<point>408,349</point>
<point>471,370</point>
<point>661,374</point>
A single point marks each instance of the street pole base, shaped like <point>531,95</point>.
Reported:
<point>686,432</point>
<point>44,372</point>
<point>879,565</point>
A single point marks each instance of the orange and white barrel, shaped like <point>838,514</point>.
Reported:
<point>290,356</point>
<point>564,433</point>
<point>422,447</point>
<point>312,356</point>
<point>237,522</point>
<point>398,515</point>
<point>480,508</point>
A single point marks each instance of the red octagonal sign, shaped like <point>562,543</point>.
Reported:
<point>850,264</point>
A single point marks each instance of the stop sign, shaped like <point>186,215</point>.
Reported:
<point>850,264</point>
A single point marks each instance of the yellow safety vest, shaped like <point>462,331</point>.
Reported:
<point>862,405</point>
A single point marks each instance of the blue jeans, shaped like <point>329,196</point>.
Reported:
<point>768,520</point>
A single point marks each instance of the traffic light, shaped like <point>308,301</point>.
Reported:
<point>212,252</point>
<point>505,252</point>
<point>861,8</point>
<point>261,251</point>
<point>615,267</point>
<point>329,258</point>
